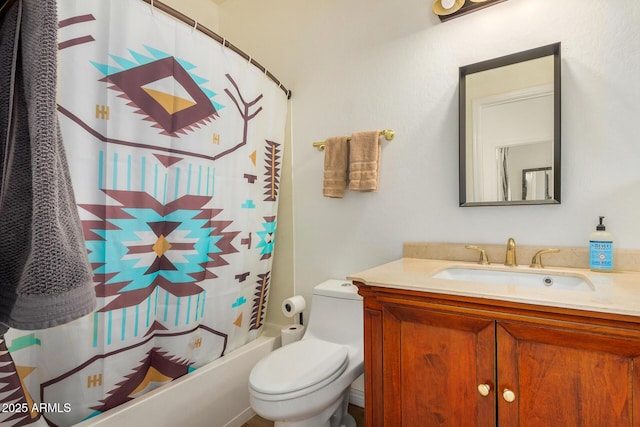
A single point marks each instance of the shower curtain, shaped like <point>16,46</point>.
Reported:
<point>504,187</point>
<point>174,146</point>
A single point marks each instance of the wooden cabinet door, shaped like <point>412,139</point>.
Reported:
<point>433,363</point>
<point>563,377</point>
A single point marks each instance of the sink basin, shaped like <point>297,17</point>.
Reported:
<point>520,278</point>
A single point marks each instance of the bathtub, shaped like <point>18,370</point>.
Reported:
<point>214,395</point>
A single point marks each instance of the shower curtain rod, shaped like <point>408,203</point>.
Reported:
<point>224,42</point>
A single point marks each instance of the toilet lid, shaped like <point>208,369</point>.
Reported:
<point>298,366</point>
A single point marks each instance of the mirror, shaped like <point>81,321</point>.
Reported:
<point>537,184</point>
<point>509,111</point>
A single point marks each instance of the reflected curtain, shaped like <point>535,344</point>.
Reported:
<point>504,188</point>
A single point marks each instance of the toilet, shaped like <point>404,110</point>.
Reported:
<point>306,383</point>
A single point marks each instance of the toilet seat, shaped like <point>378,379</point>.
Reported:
<point>298,369</point>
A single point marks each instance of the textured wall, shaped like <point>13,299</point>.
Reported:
<point>203,11</point>
<point>367,64</point>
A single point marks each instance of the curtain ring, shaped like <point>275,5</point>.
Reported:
<point>152,9</point>
<point>224,42</point>
<point>195,25</point>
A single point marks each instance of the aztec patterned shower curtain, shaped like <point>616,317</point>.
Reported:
<point>174,146</point>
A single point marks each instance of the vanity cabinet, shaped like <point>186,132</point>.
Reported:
<point>445,360</point>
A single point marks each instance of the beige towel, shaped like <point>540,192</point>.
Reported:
<point>364,161</point>
<point>336,159</point>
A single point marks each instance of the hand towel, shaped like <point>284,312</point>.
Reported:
<point>364,161</point>
<point>45,275</point>
<point>336,155</point>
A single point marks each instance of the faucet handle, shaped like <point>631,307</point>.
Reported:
<point>536,261</point>
<point>484,259</point>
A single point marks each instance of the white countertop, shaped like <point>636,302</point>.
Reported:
<point>616,292</point>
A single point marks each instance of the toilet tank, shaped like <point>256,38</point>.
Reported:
<point>336,313</point>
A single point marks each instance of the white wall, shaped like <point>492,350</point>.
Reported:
<point>203,11</point>
<point>364,64</point>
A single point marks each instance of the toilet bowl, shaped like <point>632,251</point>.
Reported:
<point>306,383</point>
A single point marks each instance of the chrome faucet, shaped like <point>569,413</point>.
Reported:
<point>510,257</point>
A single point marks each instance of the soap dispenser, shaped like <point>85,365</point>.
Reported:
<point>601,249</point>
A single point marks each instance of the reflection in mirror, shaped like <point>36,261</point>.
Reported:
<point>509,124</point>
<point>537,184</point>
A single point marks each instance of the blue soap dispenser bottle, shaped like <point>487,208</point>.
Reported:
<point>601,249</point>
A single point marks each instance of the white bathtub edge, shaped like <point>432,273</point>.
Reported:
<point>194,400</point>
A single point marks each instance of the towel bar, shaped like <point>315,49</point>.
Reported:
<point>387,133</point>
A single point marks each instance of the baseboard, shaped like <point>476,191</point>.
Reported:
<point>240,419</point>
<point>356,397</point>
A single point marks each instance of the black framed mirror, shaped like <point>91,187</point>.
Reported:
<point>509,123</point>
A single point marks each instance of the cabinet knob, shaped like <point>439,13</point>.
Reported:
<point>484,389</point>
<point>508,395</point>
